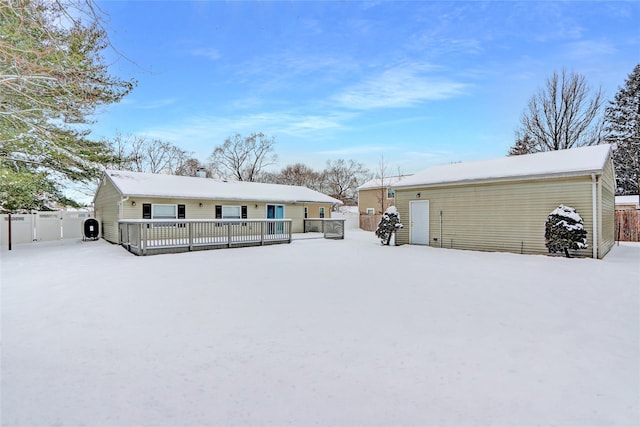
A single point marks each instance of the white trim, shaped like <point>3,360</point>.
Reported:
<point>594,200</point>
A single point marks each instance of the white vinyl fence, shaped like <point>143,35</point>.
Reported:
<point>40,226</point>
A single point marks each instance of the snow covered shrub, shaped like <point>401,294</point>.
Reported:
<point>388,225</point>
<point>564,230</point>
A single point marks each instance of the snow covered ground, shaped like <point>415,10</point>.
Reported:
<point>318,332</point>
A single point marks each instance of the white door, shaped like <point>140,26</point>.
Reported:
<point>419,211</point>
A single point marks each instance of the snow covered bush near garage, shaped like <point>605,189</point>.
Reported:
<point>318,332</point>
<point>565,230</point>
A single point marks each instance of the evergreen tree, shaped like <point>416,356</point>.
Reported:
<point>52,78</point>
<point>565,230</point>
<point>622,127</point>
<point>389,224</point>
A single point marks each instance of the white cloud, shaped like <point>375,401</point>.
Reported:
<point>589,49</point>
<point>209,53</point>
<point>160,103</point>
<point>356,149</point>
<point>400,86</point>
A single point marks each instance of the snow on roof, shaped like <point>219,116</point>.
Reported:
<point>627,200</point>
<point>186,187</point>
<point>388,181</point>
<point>575,161</point>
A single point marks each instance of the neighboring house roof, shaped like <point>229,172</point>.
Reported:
<point>388,181</point>
<point>186,187</point>
<point>571,162</point>
<point>627,200</point>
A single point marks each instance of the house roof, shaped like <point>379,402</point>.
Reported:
<point>572,162</point>
<point>388,181</point>
<point>186,187</point>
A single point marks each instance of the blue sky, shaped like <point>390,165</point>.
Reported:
<point>421,83</point>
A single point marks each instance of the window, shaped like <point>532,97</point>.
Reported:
<point>371,211</point>
<point>321,211</point>
<point>231,212</point>
<point>306,212</point>
<point>159,211</point>
<point>164,212</point>
<point>391,193</point>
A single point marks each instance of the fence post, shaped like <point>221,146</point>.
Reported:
<point>9,230</point>
<point>190,233</point>
<point>262,232</point>
<point>228,234</point>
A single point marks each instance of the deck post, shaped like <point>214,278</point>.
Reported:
<point>190,233</point>
<point>143,240</point>
<point>261,232</point>
<point>228,234</point>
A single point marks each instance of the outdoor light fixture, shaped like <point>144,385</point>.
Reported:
<point>133,203</point>
<point>418,195</point>
<point>201,205</point>
<point>256,206</point>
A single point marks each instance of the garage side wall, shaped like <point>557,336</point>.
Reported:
<point>106,206</point>
<point>503,217</point>
<point>607,206</point>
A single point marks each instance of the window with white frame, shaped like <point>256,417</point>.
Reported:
<point>164,211</point>
<point>231,212</point>
<point>391,193</point>
<point>321,212</point>
<point>371,211</point>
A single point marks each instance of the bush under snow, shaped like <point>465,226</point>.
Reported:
<point>565,230</point>
<point>388,225</point>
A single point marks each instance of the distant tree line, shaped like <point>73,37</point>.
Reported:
<point>239,158</point>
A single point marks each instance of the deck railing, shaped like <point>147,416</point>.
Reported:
<point>331,228</point>
<point>147,237</point>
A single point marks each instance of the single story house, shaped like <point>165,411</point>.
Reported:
<point>376,195</point>
<point>134,195</point>
<point>502,204</point>
<point>627,203</point>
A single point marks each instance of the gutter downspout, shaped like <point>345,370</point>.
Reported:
<point>440,228</point>
<point>594,198</point>
<point>122,201</point>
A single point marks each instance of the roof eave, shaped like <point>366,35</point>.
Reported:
<point>503,179</point>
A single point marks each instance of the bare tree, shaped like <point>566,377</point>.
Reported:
<point>565,113</point>
<point>193,167</point>
<point>343,179</point>
<point>382,176</point>
<point>243,158</point>
<point>139,154</point>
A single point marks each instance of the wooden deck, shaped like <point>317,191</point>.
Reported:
<point>150,237</point>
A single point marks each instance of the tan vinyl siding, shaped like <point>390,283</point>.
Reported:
<point>505,217</point>
<point>372,198</point>
<point>607,202</point>
<point>106,205</point>
<point>255,210</point>
<point>314,210</point>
